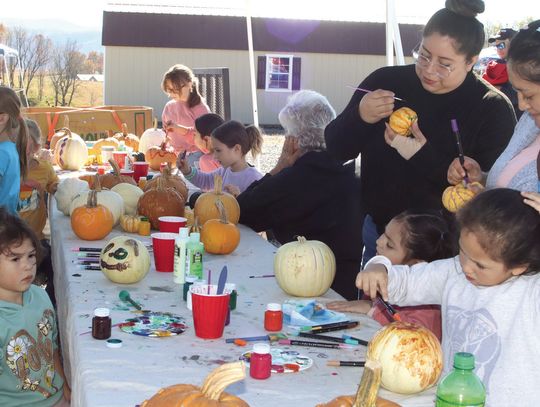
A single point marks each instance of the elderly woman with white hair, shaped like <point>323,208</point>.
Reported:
<point>308,193</point>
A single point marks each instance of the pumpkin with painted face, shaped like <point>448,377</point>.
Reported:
<point>124,260</point>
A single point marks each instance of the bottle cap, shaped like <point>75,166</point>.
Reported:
<point>114,343</point>
<point>149,177</point>
<point>142,178</point>
<point>183,232</point>
<point>102,312</point>
<point>261,348</point>
<point>191,279</point>
<point>273,306</point>
<point>464,360</point>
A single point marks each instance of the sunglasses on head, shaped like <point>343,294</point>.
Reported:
<point>501,45</point>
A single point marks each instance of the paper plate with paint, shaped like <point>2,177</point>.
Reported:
<point>284,361</point>
<point>154,324</point>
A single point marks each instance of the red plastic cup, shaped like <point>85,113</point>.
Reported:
<point>129,173</point>
<point>120,158</point>
<point>163,244</point>
<point>101,170</point>
<point>209,311</point>
<point>171,223</point>
<point>140,169</point>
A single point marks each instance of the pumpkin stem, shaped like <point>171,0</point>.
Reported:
<point>115,166</point>
<point>366,395</point>
<point>91,202</point>
<point>154,123</point>
<point>97,183</point>
<point>222,211</point>
<point>301,239</point>
<point>218,379</point>
<point>218,184</point>
<point>124,129</point>
<point>66,121</point>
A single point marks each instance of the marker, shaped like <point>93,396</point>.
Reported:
<point>86,249</point>
<point>461,156</point>
<point>359,363</point>
<point>315,344</point>
<point>86,263</point>
<point>328,338</point>
<point>249,338</point>
<point>330,325</point>
<point>369,91</point>
<point>89,254</point>
<point>263,276</point>
<point>360,341</point>
<point>88,268</point>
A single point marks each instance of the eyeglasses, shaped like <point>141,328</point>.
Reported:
<point>501,45</point>
<point>442,71</point>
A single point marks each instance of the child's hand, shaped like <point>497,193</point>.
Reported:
<point>168,126</point>
<point>359,306</point>
<point>45,155</point>
<point>373,279</point>
<point>232,189</point>
<point>456,174</point>
<point>182,163</point>
<point>532,199</point>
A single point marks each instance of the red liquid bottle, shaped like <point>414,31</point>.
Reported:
<point>260,362</point>
<point>273,317</point>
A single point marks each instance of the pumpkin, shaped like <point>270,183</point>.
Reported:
<point>107,198</point>
<point>219,235</point>
<point>188,214</point>
<point>111,179</point>
<point>60,134</point>
<point>171,181</point>
<point>209,394</point>
<point>164,153</point>
<point>151,137</point>
<point>410,355</point>
<point>401,121</point>
<point>68,189</point>
<point>130,194</point>
<point>305,268</point>
<point>88,178</point>
<point>70,153</point>
<point>102,142</point>
<point>92,221</point>
<point>124,260</point>
<point>160,201</point>
<point>130,223</point>
<point>129,139</point>
<point>454,197</point>
<point>205,206</point>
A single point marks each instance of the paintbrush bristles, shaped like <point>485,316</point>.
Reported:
<point>366,395</point>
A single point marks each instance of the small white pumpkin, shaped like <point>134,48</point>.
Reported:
<point>70,153</point>
<point>68,189</point>
<point>130,194</point>
<point>124,260</point>
<point>110,199</point>
<point>151,137</point>
<point>305,268</point>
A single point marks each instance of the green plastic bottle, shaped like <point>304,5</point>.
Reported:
<point>461,387</point>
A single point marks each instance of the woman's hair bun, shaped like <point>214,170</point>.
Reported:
<point>466,8</point>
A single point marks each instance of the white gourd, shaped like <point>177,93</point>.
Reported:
<point>71,153</point>
<point>151,137</point>
<point>130,194</point>
<point>68,188</point>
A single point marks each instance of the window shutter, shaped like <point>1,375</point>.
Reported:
<point>261,72</point>
<point>297,68</point>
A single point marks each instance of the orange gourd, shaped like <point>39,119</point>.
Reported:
<point>171,181</point>
<point>348,401</point>
<point>110,180</point>
<point>205,206</point>
<point>401,121</point>
<point>164,153</point>
<point>92,221</point>
<point>454,197</point>
<point>160,201</point>
<point>219,235</point>
<point>96,148</point>
<point>129,139</point>
<point>130,223</point>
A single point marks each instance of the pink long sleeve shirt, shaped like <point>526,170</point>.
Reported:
<point>180,113</point>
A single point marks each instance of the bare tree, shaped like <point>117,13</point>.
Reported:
<point>66,63</point>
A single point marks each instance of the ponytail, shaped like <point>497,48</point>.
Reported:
<point>22,145</point>
<point>255,140</point>
<point>233,132</point>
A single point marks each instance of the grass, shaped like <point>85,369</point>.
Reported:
<point>87,94</point>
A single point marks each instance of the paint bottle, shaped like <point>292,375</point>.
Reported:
<point>101,324</point>
<point>142,182</point>
<point>260,362</point>
<point>189,281</point>
<point>144,227</point>
<point>106,154</point>
<point>180,244</point>
<point>195,251</point>
<point>273,317</point>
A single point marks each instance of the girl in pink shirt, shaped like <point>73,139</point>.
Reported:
<point>180,112</point>
<point>410,238</point>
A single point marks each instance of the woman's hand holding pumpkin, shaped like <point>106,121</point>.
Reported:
<point>376,105</point>
<point>405,146</point>
<point>373,279</point>
<point>532,199</point>
<point>456,173</point>
<point>289,154</point>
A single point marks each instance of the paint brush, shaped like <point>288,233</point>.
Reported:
<point>341,363</point>
<point>461,156</point>
<point>263,276</point>
<point>124,296</point>
<point>209,281</point>
<point>391,310</point>
<point>271,337</point>
<point>328,338</point>
<point>315,344</point>
<point>369,91</point>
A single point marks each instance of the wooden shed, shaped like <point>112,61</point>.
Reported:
<point>326,56</point>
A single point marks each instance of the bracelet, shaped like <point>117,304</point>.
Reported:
<point>191,174</point>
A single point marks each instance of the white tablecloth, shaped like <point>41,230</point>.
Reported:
<point>102,376</point>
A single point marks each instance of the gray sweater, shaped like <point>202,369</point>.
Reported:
<point>527,178</point>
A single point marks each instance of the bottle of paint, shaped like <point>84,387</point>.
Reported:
<point>142,182</point>
<point>180,244</point>
<point>144,226</point>
<point>195,251</point>
<point>260,362</point>
<point>189,281</point>
<point>101,324</point>
<point>273,317</point>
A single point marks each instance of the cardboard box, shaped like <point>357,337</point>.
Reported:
<point>91,123</point>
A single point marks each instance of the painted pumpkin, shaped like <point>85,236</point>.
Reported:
<point>401,121</point>
<point>454,197</point>
<point>129,139</point>
<point>130,223</point>
<point>70,153</point>
<point>170,181</point>
<point>68,189</point>
<point>410,355</point>
<point>130,194</point>
<point>305,268</point>
<point>164,153</point>
<point>211,393</point>
<point>206,209</point>
<point>160,201</point>
<point>92,221</point>
<point>60,134</point>
<point>219,235</point>
<point>109,180</point>
<point>124,260</point>
<point>151,137</point>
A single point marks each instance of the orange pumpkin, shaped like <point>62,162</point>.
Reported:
<point>219,235</point>
<point>170,181</point>
<point>129,139</point>
<point>92,221</point>
<point>110,180</point>
<point>454,197</point>
<point>205,206</point>
<point>102,142</point>
<point>160,201</point>
<point>164,153</point>
<point>401,121</point>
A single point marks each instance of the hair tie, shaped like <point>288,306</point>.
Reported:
<point>443,234</point>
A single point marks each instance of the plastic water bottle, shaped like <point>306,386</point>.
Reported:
<point>461,387</point>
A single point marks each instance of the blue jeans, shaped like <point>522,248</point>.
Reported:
<point>370,236</point>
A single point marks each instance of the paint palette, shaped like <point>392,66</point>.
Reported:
<point>154,324</point>
<point>284,361</point>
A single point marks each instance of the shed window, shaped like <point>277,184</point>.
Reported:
<point>278,73</point>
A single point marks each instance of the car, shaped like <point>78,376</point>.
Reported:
<point>486,55</point>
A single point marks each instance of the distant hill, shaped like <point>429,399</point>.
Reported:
<point>59,31</point>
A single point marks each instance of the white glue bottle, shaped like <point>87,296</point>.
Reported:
<point>180,244</point>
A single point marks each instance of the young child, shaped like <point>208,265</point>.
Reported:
<point>231,142</point>
<point>410,238</point>
<point>204,126</point>
<point>31,371</point>
<point>13,141</point>
<point>179,114</point>
<point>489,294</point>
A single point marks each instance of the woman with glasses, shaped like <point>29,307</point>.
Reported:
<point>399,173</point>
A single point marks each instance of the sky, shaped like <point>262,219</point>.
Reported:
<point>88,13</point>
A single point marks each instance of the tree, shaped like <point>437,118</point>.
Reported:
<point>66,63</point>
<point>93,63</point>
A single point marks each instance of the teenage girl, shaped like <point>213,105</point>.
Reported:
<point>489,294</point>
<point>13,141</point>
<point>410,238</point>
<point>231,142</point>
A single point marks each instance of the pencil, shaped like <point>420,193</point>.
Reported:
<point>359,363</point>
<point>369,91</point>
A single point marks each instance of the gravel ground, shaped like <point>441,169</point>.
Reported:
<point>271,151</point>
